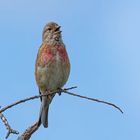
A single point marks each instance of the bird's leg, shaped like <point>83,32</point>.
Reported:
<point>48,95</point>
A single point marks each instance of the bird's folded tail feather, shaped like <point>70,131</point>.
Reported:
<point>44,109</point>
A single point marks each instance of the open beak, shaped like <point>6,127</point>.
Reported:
<point>58,29</point>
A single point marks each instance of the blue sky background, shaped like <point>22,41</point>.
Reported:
<point>102,39</point>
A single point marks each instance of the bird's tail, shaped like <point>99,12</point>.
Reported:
<point>44,109</point>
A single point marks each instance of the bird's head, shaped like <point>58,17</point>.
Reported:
<point>51,33</point>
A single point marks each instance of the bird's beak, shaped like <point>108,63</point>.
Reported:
<point>57,29</point>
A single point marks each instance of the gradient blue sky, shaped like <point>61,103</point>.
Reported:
<point>102,39</point>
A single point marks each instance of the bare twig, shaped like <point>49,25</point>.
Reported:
<point>58,91</point>
<point>29,131</point>
<point>8,127</point>
<point>31,98</point>
<point>92,99</point>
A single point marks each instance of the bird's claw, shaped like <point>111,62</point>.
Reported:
<point>60,91</point>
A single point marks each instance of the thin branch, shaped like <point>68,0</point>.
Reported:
<point>69,88</point>
<point>8,127</point>
<point>29,131</point>
<point>59,91</point>
<point>31,98</point>
<point>93,99</point>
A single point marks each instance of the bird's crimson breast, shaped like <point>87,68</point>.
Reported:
<point>48,53</point>
<point>62,52</point>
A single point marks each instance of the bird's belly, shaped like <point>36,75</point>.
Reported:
<point>53,76</point>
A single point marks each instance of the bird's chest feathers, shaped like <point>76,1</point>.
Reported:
<point>52,54</point>
<point>52,72</point>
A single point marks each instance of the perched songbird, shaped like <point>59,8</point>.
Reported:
<point>52,67</point>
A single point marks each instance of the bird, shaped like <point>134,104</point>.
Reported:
<point>52,67</point>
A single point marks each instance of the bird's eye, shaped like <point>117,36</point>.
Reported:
<point>49,29</point>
